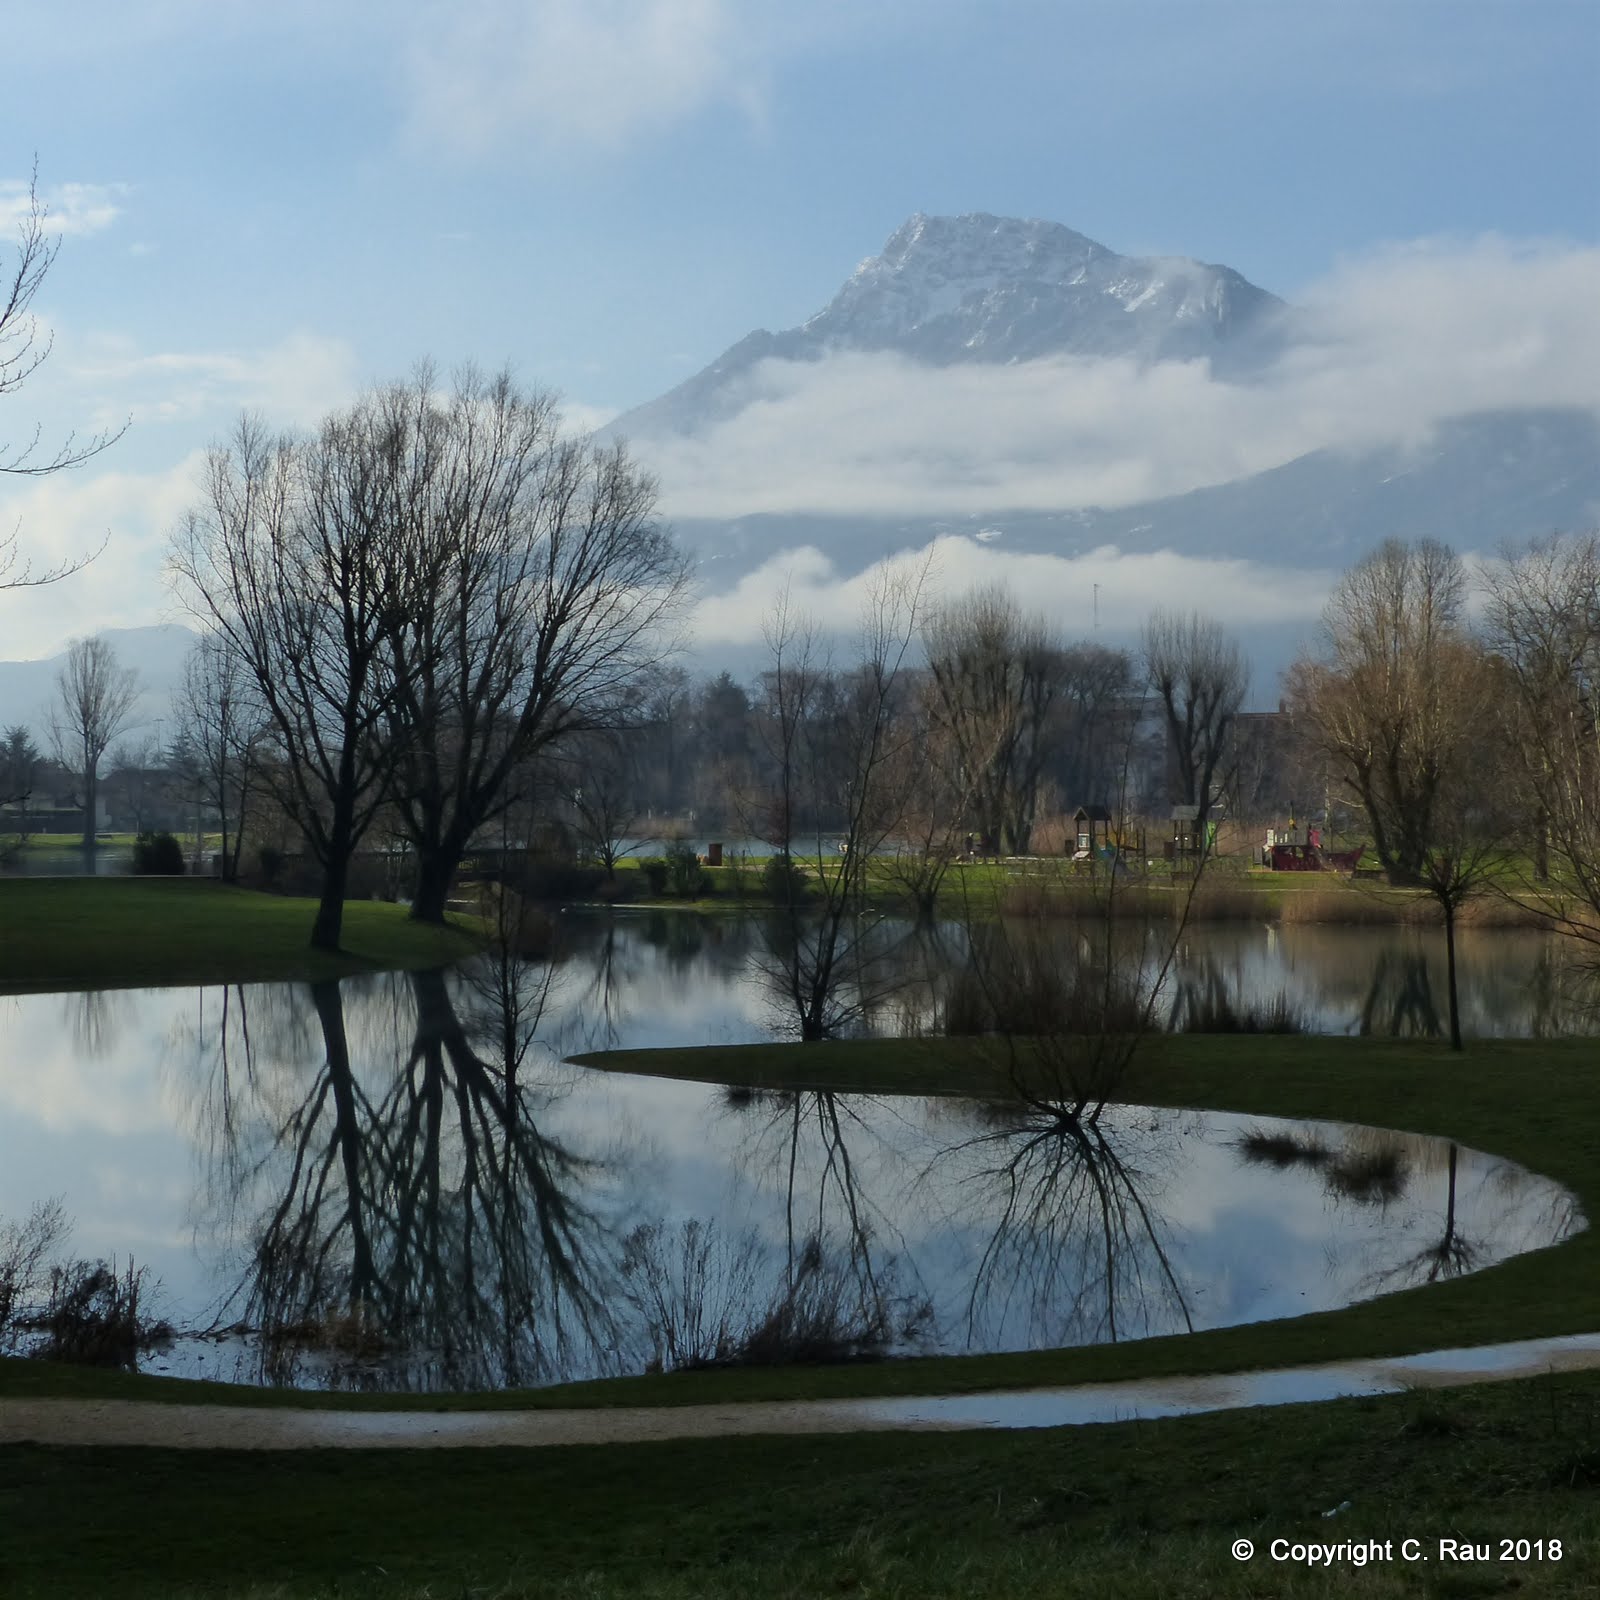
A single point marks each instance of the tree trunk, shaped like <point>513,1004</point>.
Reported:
<point>325,931</point>
<point>436,871</point>
<point>1450,969</point>
<point>89,786</point>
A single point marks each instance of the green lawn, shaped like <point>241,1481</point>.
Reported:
<point>95,933</point>
<point>1130,1509</point>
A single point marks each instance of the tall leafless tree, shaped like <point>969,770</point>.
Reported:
<point>1543,622</point>
<point>545,600</point>
<point>836,744</point>
<point>1199,675</point>
<point>94,702</point>
<point>1385,703</point>
<point>295,561</point>
<point>220,718</point>
<point>999,676</point>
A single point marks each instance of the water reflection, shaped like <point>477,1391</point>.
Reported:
<point>1076,1237</point>
<point>396,1180</point>
<point>418,1225</point>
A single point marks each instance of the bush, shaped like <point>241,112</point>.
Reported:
<point>157,854</point>
<point>782,881</point>
<point>93,1317</point>
<point>654,869</point>
<point>684,874</point>
<point>271,861</point>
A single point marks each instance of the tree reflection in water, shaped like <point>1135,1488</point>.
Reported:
<point>838,1285</point>
<point>425,1231</point>
<point>1399,1002</point>
<point>1076,1244</point>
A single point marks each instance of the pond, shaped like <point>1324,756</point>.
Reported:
<point>398,1181</point>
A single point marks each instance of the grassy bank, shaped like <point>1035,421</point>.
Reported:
<point>97,933</point>
<point>1129,1509</point>
<point>1228,892</point>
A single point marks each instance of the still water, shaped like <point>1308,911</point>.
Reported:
<point>399,1181</point>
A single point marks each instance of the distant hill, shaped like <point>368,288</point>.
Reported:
<point>157,653</point>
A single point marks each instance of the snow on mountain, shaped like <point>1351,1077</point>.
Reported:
<point>994,289</point>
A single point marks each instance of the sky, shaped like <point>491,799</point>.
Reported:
<point>267,208</point>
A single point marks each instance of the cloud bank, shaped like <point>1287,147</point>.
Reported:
<point>1130,586</point>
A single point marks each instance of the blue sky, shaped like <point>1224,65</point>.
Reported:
<point>267,207</point>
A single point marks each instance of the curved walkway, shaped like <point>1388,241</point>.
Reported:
<point>139,1422</point>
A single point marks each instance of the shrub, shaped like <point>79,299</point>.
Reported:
<point>782,881</point>
<point>93,1316</point>
<point>156,854</point>
<point>684,874</point>
<point>655,874</point>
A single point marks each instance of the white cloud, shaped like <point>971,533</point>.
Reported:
<point>69,208</point>
<point>490,75</point>
<point>1236,593</point>
<point>579,71</point>
<point>1397,341</point>
<point>61,519</point>
<point>294,382</point>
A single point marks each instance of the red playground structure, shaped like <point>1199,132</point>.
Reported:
<point>1311,858</point>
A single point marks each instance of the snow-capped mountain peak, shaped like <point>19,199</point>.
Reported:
<point>982,288</point>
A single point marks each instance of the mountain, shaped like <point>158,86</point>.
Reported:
<point>1478,481</point>
<point>981,288</point>
<point>28,688</point>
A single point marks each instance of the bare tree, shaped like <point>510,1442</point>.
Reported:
<point>1472,816</point>
<point>836,744</point>
<point>22,353</point>
<point>94,700</point>
<point>545,597</point>
<point>1543,623</point>
<point>1199,675</point>
<point>293,561</point>
<point>221,718</point>
<point>1385,704</point>
<point>999,676</point>
<point>607,795</point>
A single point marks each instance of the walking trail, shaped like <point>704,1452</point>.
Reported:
<point>209,1427</point>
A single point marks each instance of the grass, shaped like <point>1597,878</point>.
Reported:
<point>1128,1509</point>
<point>99,933</point>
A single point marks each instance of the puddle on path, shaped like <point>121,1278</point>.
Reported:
<point>120,1422</point>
